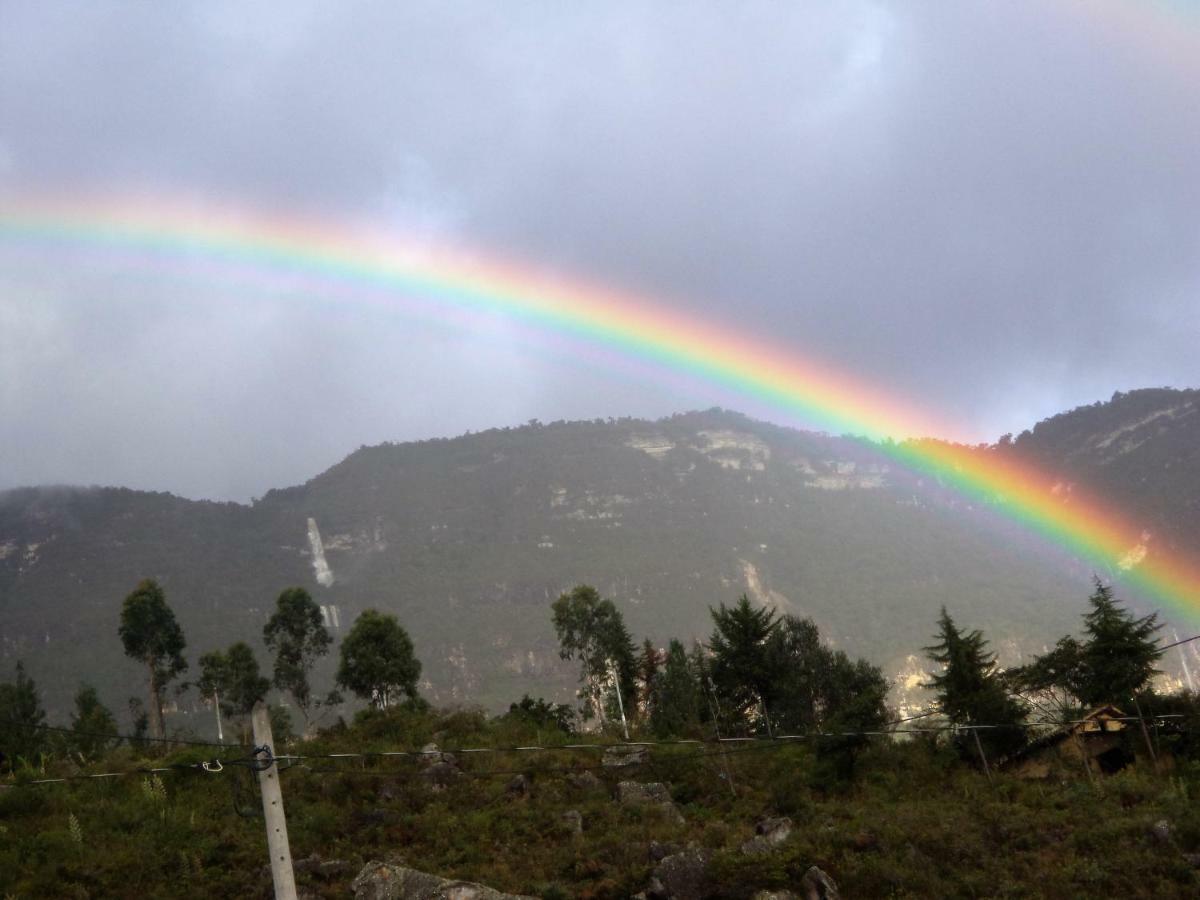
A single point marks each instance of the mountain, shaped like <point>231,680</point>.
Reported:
<point>469,539</point>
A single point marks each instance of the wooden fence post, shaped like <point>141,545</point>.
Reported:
<point>272,801</point>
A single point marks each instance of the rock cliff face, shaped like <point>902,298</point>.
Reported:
<point>468,540</point>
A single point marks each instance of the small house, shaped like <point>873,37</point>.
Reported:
<point>1095,741</point>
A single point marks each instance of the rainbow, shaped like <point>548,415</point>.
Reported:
<point>327,259</point>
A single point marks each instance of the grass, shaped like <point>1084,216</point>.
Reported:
<point>914,822</point>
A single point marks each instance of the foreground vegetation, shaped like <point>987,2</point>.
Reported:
<point>915,820</point>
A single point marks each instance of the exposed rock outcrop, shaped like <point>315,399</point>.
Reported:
<point>618,757</point>
<point>654,795</point>
<point>392,881</point>
<point>769,833</point>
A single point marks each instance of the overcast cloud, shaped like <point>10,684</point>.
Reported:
<point>991,210</point>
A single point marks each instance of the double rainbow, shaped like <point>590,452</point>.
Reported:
<point>326,260</point>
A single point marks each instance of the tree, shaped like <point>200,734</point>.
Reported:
<point>743,667</point>
<point>853,703</point>
<point>1117,659</point>
<point>153,637</point>
<point>540,714</point>
<point>648,674</point>
<point>593,631</point>
<point>377,660</point>
<point>970,690</point>
<point>94,724</point>
<point>233,680</point>
<point>21,718</point>
<point>675,707</point>
<point>296,635</point>
<point>1112,664</point>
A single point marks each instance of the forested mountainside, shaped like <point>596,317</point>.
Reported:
<point>469,539</point>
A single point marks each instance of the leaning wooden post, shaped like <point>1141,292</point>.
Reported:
<point>1145,734</point>
<point>982,756</point>
<point>272,801</point>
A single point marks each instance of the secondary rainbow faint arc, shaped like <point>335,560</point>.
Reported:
<point>323,255</point>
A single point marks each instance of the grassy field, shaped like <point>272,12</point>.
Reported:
<point>914,821</point>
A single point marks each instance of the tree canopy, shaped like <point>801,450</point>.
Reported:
<point>296,634</point>
<point>152,636</point>
<point>593,631</point>
<point>377,661</point>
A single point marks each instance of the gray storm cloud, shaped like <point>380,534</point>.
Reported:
<point>990,210</point>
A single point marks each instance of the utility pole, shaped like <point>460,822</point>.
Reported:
<point>272,801</point>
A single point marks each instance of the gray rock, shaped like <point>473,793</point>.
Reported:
<point>518,786</point>
<point>769,833</point>
<point>682,876</point>
<point>392,881</point>
<point>573,820</point>
<point>653,795</point>
<point>659,851</point>
<point>618,757</point>
<point>776,895</point>
<point>583,781</point>
<point>817,885</point>
<point>635,793</point>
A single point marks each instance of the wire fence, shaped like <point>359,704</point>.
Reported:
<point>261,757</point>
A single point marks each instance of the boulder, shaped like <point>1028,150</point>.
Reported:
<point>682,876</point>
<point>817,885</point>
<point>654,795</point>
<point>618,757</point>
<point>660,850</point>
<point>518,786</point>
<point>769,833</point>
<point>635,793</point>
<point>392,881</point>
<point>583,781</point>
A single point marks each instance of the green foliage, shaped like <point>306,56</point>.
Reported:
<point>151,635</point>
<point>296,635</point>
<point>1118,657</point>
<point>970,690</point>
<point>21,716</point>
<point>675,693</point>
<point>1112,664</point>
<point>745,671</point>
<point>540,715</point>
<point>916,822</point>
<point>95,724</point>
<point>283,730</point>
<point>232,678</point>
<point>593,631</point>
<point>377,661</point>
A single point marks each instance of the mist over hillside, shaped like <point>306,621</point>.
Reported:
<point>469,539</point>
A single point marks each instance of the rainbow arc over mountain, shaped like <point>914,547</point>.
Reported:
<point>354,265</point>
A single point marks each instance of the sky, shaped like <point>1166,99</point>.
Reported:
<point>990,211</point>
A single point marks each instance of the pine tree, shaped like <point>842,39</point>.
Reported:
<point>743,668</point>
<point>21,718</point>
<point>676,707</point>
<point>970,691</point>
<point>1117,658</point>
